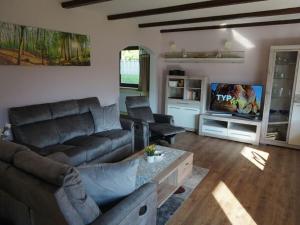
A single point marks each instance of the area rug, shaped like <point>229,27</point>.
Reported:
<point>165,212</point>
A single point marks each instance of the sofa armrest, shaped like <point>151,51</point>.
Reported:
<point>141,134</point>
<point>137,208</point>
<point>127,124</point>
<point>161,118</point>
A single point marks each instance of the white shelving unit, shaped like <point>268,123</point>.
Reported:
<point>186,100</point>
<point>230,127</point>
<point>281,123</point>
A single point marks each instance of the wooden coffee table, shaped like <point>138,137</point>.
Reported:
<point>169,173</point>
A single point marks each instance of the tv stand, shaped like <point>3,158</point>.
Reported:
<point>231,128</point>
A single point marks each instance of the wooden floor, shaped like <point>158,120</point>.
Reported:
<point>246,184</point>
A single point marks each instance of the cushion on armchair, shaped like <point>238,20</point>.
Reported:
<point>109,182</point>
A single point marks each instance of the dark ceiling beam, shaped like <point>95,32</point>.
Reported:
<point>79,3</point>
<point>180,8</point>
<point>275,12</point>
<point>238,25</point>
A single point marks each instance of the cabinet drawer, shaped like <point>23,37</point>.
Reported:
<point>242,135</point>
<point>214,130</point>
<point>185,169</point>
<point>184,116</point>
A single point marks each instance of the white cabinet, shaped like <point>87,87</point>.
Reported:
<point>175,111</point>
<point>231,128</point>
<point>185,100</point>
<point>281,120</point>
<point>294,137</point>
<point>184,116</point>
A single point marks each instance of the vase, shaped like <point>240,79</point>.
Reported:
<point>150,159</point>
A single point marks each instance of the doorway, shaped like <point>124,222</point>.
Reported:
<point>135,67</point>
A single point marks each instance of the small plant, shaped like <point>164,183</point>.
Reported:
<point>150,150</point>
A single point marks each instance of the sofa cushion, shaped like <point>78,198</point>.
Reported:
<point>69,127</point>
<point>60,157</point>
<point>76,155</point>
<point>108,183</point>
<point>88,123</point>
<point>40,134</point>
<point>46,169</point>
<point>106,118</point>
<point>64,108</point>
<point>118,137</point>
<point>88,104</point>
<point>9,149</point>
<point>29,114</point>
<point>94,146</point>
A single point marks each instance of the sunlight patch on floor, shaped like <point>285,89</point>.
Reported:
<point>257,157</point>
<point>233,209</point>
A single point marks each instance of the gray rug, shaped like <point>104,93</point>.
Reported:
<point>165,212</point>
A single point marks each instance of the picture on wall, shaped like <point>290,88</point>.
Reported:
<point>23,45</point>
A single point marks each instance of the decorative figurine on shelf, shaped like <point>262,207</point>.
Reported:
<point>5,133</point>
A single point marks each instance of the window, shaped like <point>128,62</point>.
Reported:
<point>130,67</point>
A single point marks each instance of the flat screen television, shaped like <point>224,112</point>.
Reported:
<point>237,99</point>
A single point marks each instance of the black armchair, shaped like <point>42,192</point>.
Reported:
<point>149,126</point>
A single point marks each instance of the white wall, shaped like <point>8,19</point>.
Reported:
<point>254,70</point>
<point>21,85</point>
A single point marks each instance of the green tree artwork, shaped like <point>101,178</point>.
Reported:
<point>23,45</point>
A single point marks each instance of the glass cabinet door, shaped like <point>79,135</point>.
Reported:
<point>281,95</point>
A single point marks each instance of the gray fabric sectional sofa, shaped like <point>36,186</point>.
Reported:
<point>81,129</point>
<point>36,190</point>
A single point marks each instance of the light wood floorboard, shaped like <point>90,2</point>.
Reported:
<point>236,191</point>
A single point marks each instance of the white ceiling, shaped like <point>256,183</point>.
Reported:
<point>122,6</point>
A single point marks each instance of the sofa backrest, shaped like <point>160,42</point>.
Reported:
<point>53,123</point>
<point>44,191</point>
<point>138,107</point>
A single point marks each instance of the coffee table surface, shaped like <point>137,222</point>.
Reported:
<point>149,171</point>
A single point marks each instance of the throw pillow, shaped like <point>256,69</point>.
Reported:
<point>109,182</point>
<point>106,118</point>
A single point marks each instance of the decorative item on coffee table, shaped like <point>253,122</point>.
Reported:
<point>152,154</point>
<point>5,132</point>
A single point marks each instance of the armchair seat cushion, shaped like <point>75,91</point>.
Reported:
<point>165,129</point>
<point>118,137</point>
<point>94,146</point>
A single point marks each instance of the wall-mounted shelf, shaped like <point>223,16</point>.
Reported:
<point>205,57</point>
<point>205,60</point>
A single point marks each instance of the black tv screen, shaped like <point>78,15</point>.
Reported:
<point>236,98</point>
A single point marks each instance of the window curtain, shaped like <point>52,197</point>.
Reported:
<point>144,72</point>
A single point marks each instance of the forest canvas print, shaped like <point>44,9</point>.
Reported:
<point>23,45</point>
